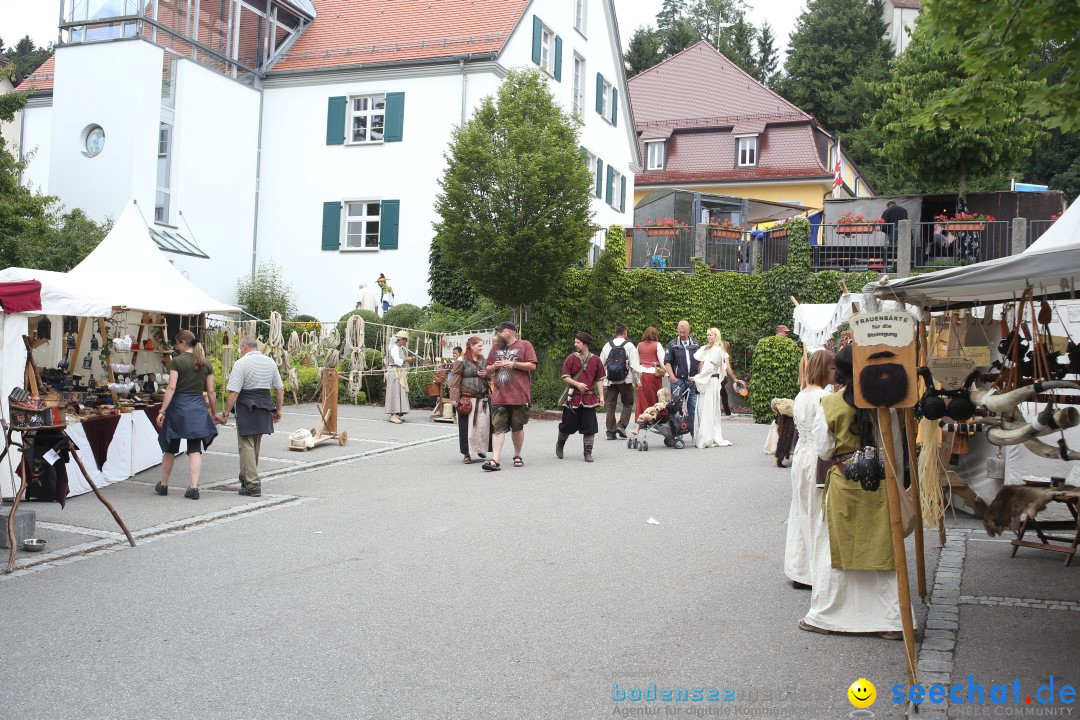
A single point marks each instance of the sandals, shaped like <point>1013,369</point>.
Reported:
<point>885,634</point>
<point>518,462</point>
<point>491,466</point>
<point>803,625</point>
<point>891,635</point>
<point>467,460</point>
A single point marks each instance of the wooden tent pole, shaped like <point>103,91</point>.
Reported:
<point>899,554</point>
<point>907,417</point>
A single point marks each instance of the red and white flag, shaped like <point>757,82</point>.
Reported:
<point>838,177</point>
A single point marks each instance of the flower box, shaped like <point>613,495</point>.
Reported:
<point>661,231</point>
<point>778,233</point>
<point>717,233</point>
<point>855,229</point>
<point>966,226</point>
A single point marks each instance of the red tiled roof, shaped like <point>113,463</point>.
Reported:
<point>41,79</point>
<point>351,32</point>
<point>907,4</point>
<point>701,83</point>
<point>783,152</point>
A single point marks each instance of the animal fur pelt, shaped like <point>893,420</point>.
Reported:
<point>783,406</point>
<point>787,436</point>
<point>1013,502</point>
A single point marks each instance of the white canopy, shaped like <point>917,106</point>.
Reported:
<point>60,295</point>
<point>1050,267</point>
<point>155,286</point>
<point>815,323</point>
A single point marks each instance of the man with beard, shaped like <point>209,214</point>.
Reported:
<point>583,373</point>
<point>510,363</point>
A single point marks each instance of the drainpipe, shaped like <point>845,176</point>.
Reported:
<point>258,180</point>
<point>464,87</point>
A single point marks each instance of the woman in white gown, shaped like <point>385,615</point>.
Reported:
<point>710,406</point>
<point>813,434</point>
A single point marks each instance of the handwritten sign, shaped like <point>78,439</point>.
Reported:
<point>894,329</point>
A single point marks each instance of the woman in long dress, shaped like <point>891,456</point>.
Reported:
<point>397,378</point>
<point>651,357</point>
<point>468,375</point>
<point>710,406</point>
<point>853,570</point>
<point>810,423</point>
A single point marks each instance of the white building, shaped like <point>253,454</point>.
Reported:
<point>310,133</point>
<point>10,131</point>
<point>900,17</point>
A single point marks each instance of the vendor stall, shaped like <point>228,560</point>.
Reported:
<point>103,347</point>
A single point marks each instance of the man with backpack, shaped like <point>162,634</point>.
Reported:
<point>620,359</point>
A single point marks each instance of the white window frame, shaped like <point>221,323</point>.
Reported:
<point>593,171</point>
<point>547,50</point>
<point>746,150</point>
<point>579,85</point>
<point>655,160</point>
<point>164,157</point>
<point>608,87</point>
<point>581,16</point>
<point>369,113</point>
<point>364,218</point>
<point>617,181</point>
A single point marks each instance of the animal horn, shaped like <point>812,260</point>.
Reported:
<point>1047,422</point>
<point>1005,403</point>
<point>1049,451</point>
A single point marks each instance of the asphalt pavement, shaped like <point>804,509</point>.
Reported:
<point>383,578</point>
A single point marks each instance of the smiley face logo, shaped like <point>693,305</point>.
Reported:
<point>862,693</point>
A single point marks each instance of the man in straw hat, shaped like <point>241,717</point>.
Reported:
<point>397,381</point>
<point>583,373</point>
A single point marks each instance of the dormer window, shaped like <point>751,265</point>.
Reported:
<point>654,151</point>
<point>746,151</point>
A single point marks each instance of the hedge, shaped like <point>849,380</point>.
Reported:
<point>774,373</point>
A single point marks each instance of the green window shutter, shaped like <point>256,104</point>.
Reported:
<point>335,120</point>
<point>584,154</point>
<point>610,184</point>
<point>622,195</point>
<point>599,93</point>
<point>614,106</point>
<point>558,58</point>
<point>388,224</point>
<point>599,178</point>
<point>331,225</point>
<point>395,117</point>
<point>538,30</point>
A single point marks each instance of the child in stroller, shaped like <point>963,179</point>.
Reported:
<point>667,418</point>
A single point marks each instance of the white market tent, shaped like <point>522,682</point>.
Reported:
<point>90,290</point>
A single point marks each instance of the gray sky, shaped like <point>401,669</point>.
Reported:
<point>38,18</point>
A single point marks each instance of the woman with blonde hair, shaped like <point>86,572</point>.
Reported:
<point>710,407</point>
<point>184,414</point>
<point>809,418</point>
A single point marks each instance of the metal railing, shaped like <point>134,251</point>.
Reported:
<point>855,248</point>
<point>660,248</point>
<point>1036,228</point>
<point>940,245</point>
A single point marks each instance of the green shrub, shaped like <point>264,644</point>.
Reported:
<point>404,316</point>
<point>774,372</point>
<point>371,333</point>
<point>264,292</point>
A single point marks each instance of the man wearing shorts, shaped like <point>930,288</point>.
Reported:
<point>510,364</point>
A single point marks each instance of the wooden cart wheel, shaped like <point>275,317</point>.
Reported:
<point>343,437</point>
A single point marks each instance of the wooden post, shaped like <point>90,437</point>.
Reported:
<point>899,554</point>
<point>329,396</point>
<point>73,358</point>
<point>908,419</point>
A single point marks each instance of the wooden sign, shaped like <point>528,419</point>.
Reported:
<point>883,359</point>
<point>950,373</point>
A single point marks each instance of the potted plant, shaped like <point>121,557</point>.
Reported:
<point>849,224</point>
<point>780,229</point>
<point>725,229</point>
<point>663,227</point>
<point>963,221</point>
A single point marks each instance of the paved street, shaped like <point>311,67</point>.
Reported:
<point>385,579</point>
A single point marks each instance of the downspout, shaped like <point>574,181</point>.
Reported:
<point>258,180</point>
<point>464,87</point>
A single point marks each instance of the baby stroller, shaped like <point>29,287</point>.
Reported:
<point>671,423</point>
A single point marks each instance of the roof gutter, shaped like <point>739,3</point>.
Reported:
<point>379,65</point>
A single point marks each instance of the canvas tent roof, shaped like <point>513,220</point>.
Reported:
<point>157,286</point>
<point>1050,267</point>
<point>60,295</point>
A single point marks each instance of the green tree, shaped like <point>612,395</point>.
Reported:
<point>644,50</point>
<point>670,12</point>
<point>678,37</point>
<point>837,50</point>
<point>514,203</point>
<point>265,291</point>
<point>447,284</point>
<point>766,59</point>
<point>949,157</point>
<point>26,56</point>
<point>990,39</point>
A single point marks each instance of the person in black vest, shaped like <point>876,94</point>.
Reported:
<point>620,358</point>
<point>682,367</point>
<point>893,215</point>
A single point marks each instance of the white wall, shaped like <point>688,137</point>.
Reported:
<point>214,154</point>
<point>37,139</point>
<point>300,172</point>
<point>10,130</point>
<point>612,144</point>
<point>116,85</point>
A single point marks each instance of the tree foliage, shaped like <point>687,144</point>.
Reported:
<point>264,292</point>
<point>990,39</point>
<point>25,55</point>
<point>644,51</point>
<point>837,50</point>
<point>946,157</point>
<point>766,59</point>
<point>447,284</point>
<point>514,206</point>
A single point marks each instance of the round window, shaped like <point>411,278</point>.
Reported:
<point>93,140</point>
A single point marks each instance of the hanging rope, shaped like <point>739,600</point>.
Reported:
<point>294,344</point>
<point>354,340</point>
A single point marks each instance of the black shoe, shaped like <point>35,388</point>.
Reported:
<point>611,436</point>
<point>192,493</point>
<point>161,489</point>
<point>621,431</point>
<point>801,586</point>
<point>252,490</point>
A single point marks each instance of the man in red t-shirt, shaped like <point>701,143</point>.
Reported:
<point>582,372</point>
<point>510,364</point>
